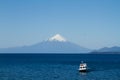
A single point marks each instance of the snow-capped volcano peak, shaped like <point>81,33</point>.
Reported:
<point>57,37</point>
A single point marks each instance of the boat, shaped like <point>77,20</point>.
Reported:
<point>83,67</point>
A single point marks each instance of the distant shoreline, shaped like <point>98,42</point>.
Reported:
<point>68,53</point>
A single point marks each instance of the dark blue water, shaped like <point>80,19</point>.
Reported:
<point>59,66</point>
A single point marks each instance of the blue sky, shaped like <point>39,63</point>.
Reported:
<point>89,23</point>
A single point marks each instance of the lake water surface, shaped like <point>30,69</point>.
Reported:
<point>59,66</point>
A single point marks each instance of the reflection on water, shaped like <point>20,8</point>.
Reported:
<point>83,73</point>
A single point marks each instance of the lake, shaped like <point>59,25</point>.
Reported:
<point>59,66</point>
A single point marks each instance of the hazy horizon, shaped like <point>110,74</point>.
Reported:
<point>89,23</point>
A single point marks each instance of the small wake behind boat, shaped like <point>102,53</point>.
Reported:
<point>83,67</point>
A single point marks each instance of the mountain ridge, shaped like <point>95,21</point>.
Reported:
<point>58,44</point>
<point>55,44</point>
<point>109,49</point>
